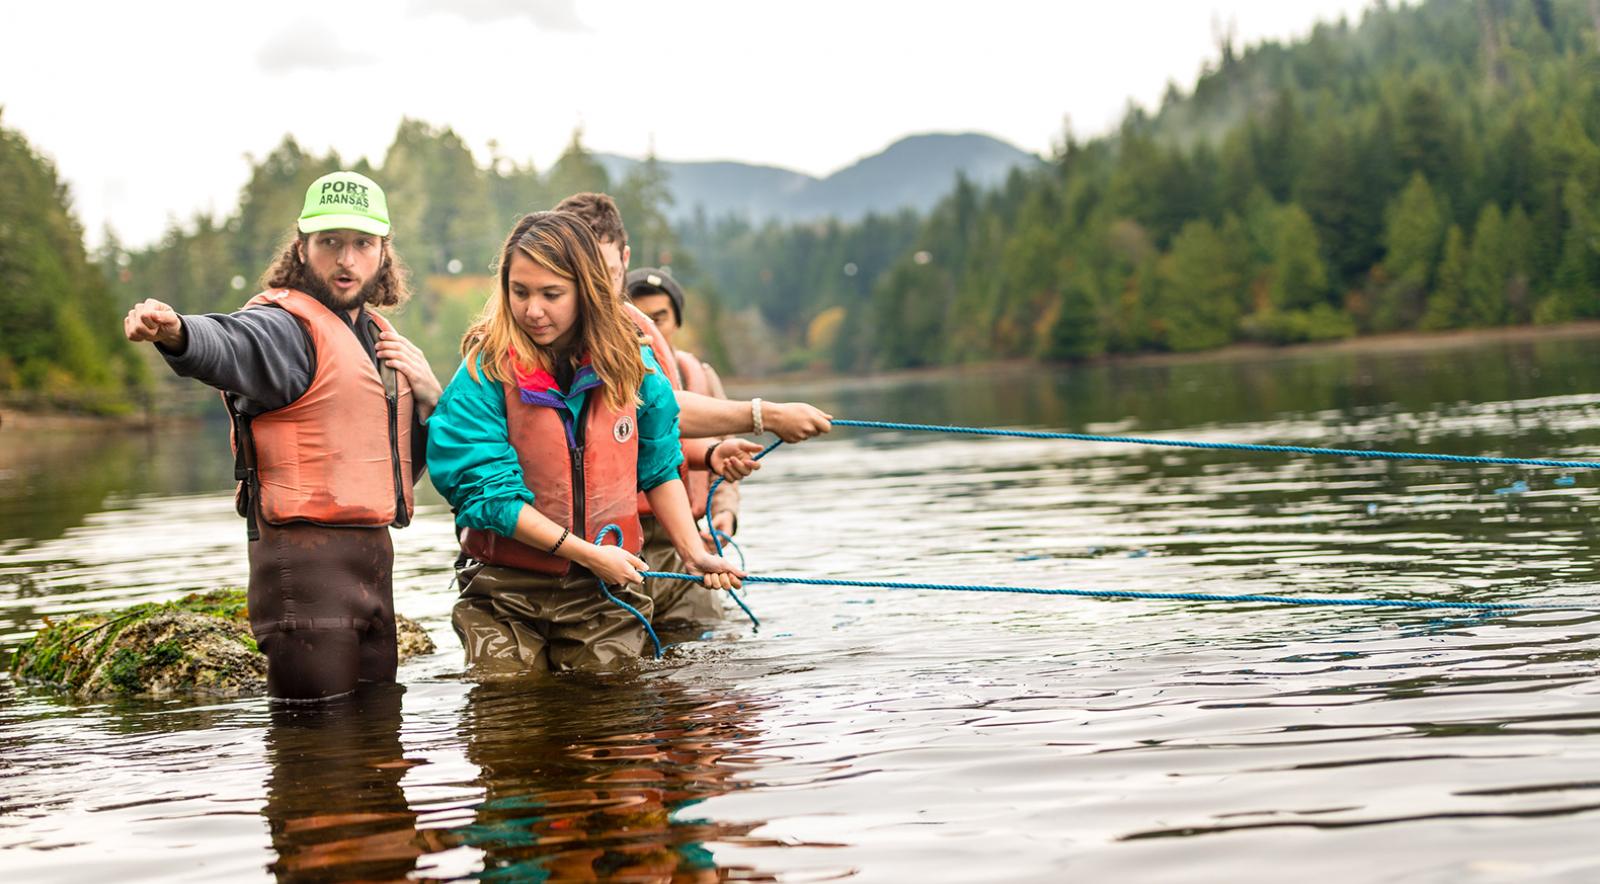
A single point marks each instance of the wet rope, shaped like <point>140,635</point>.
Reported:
<point>599,539</point>
<point>1369,454</point>
<point>1319,601</point>
<point>1364,453</point>
<point>723,537</point>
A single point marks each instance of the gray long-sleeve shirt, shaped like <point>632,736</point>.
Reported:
<point>262,359</point>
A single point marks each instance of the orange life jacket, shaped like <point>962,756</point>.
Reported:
<point>582,482</point>
<point>341,453</point>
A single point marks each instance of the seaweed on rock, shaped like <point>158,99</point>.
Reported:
<point>200,644</point>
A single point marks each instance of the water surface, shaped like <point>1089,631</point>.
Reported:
<point>895,736</point>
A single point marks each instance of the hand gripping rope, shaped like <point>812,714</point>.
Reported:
<point>599,539</point>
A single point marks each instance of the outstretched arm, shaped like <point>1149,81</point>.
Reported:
<point>708,416</point>
<point>263,355</point>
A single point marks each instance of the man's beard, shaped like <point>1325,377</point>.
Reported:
<point>318,288</point>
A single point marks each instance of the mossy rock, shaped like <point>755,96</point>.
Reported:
<point>198,645</point>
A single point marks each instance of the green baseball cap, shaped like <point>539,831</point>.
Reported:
<point>345,200</point>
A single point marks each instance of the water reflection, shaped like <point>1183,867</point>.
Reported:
<point>596,778</point>
<point>334,803</point>
<point>50,480</point>
<point>919,736</point>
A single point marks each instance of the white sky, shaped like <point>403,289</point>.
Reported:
<point>151,110</point>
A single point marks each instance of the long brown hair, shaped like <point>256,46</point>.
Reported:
<point>391,288</point>
<point>561,243</point>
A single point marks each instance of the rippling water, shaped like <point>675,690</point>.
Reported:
<point>899,736</point>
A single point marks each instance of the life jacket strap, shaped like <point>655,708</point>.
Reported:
<point>244,471</point>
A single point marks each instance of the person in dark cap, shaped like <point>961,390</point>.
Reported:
<point>679,602</point>
<point>699,416</point>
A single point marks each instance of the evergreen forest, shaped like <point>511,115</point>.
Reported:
<point>1427,167</point>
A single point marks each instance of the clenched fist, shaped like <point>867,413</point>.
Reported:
<point>151,320</point>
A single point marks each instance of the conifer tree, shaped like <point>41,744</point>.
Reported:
<point>1488,270</point>
<point>1448,301</point>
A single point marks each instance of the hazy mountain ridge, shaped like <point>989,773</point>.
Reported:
<point>914,172</point>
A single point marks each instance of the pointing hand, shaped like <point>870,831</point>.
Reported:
<point>152,320</point>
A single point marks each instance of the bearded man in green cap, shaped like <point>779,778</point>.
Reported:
<point>330,407</point>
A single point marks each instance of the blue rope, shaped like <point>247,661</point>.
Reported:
<point>755,625</point>
<point>1223,446</point>
<point>718,537</point>
<point>1323,601</point>
<point>599,539</point>
<point>1369,454</point>
<point>711,495</point>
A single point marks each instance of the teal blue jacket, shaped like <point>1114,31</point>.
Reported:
<point>472,463</point>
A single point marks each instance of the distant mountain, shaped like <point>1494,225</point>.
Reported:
<point>914,172</point>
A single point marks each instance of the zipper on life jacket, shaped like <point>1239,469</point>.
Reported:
<point>579,517</point>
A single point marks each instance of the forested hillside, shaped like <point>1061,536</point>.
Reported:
<point>1430,167</point>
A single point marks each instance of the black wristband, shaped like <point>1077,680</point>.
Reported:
<point>564,533</point>
<point>710,451</point>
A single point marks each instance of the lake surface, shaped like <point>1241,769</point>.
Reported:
<point>911,736</point>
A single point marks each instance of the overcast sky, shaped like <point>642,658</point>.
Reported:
<point>151,110</point>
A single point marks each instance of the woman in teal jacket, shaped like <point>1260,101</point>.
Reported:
<point>555,420</point>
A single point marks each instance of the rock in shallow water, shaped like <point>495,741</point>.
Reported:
<point>198,645</point>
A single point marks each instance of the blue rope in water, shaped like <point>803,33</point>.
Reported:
<point>1223,446</point>
<point>599,539</point>
<point>717,537</point>
<point>755,625</point>
<point>1321,601</point>
<point>1369,454</point>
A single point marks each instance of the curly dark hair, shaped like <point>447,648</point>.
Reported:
<point>391,288</point>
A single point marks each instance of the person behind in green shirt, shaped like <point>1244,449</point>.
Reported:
<point>555,420</point>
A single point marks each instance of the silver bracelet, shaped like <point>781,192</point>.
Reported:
<point>755,416</point>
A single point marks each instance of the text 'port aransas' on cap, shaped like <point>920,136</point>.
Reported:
<point>345,201</point>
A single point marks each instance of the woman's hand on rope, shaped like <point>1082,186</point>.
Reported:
<point>614,565</point>
<point>718,572</point>
<point>734,459</point>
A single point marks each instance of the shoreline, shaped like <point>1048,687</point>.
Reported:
<point>14,419</point>
<point>1395,342</point>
